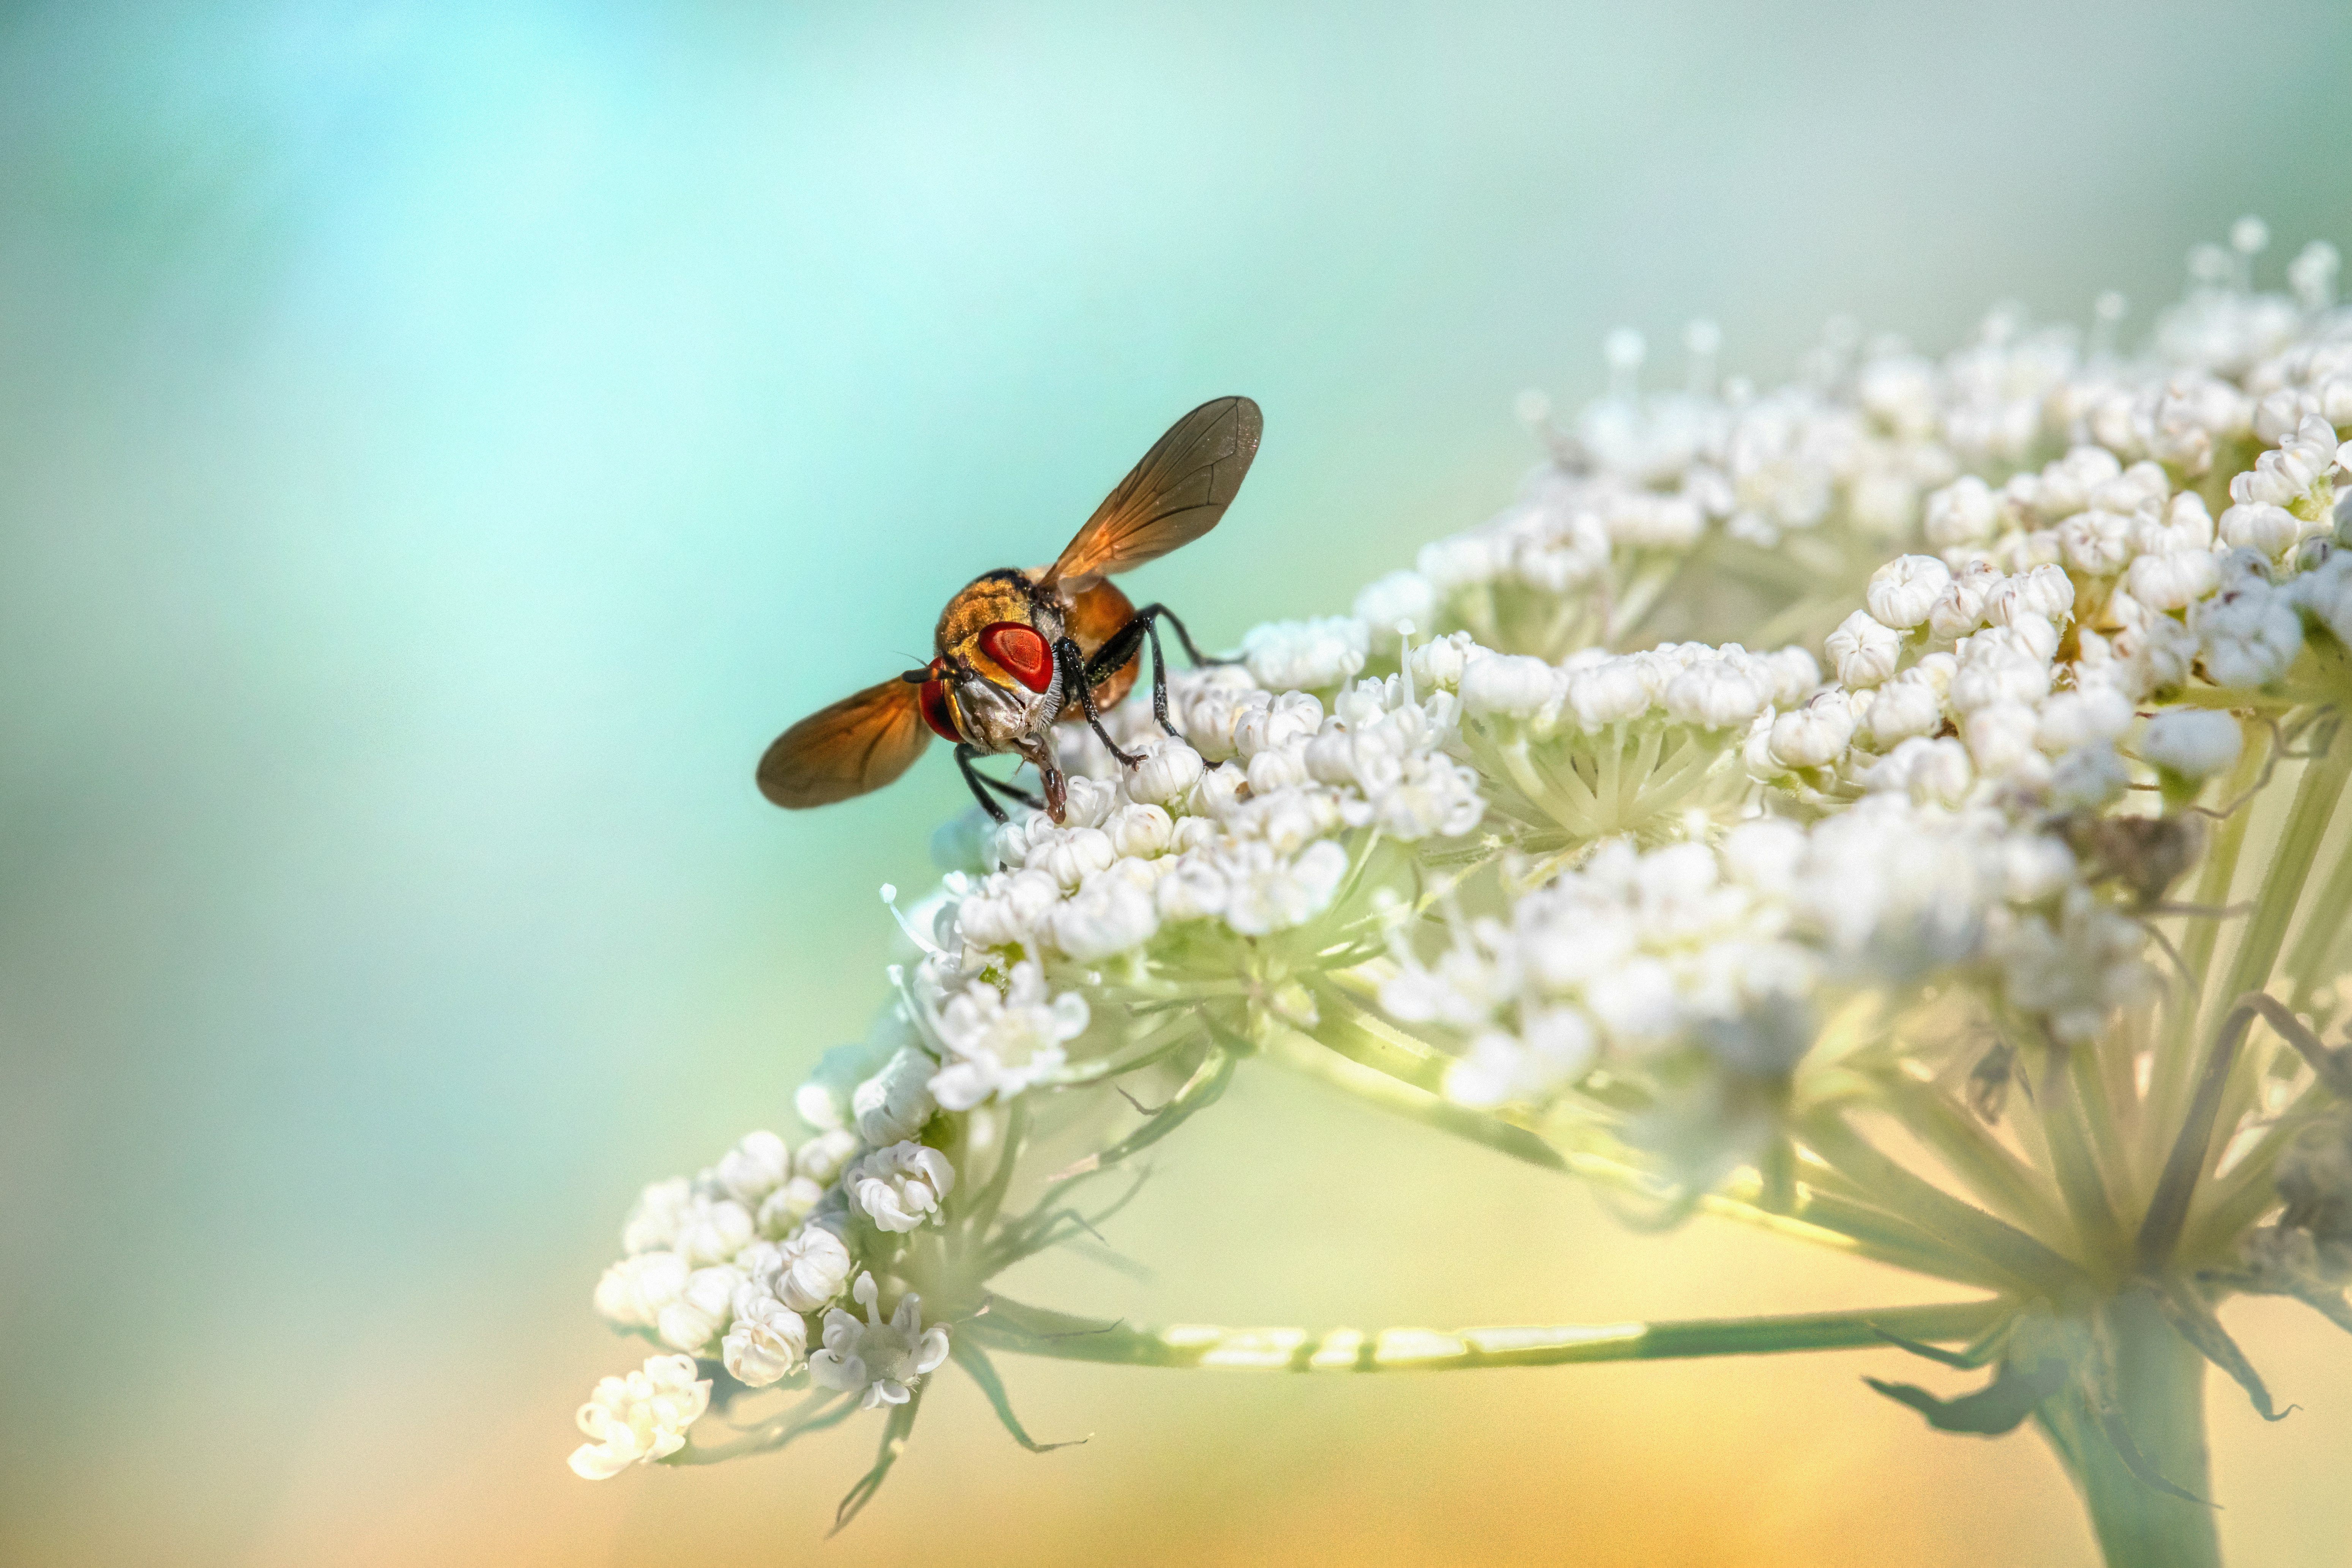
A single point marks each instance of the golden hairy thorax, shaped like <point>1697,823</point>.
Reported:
<point>1089,619</point>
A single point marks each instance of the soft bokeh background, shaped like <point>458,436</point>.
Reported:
<point>440,445</point>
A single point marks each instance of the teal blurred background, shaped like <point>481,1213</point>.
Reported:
<point>441,445</point>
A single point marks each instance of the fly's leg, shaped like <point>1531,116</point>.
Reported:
<point>1074,672</point>
<point>974,780</point>
<point>1155,612</point>
<point>1120,646</point>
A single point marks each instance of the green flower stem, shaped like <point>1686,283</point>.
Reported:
<point>2159,1385</point>
<point>1022,1330</point>
<point>972,1233</point>
<point>1369,1059</point>
<point>2316,794</point>
<point>2003,1183</point>
<point>2236,1200</point>
<point>2023,1262</point>
<point>2323,930</point>
<point>2176,1061</point>
<point>2076,1161</point>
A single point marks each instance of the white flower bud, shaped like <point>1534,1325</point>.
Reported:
<point>2270,529</point>
<point>2174,580</point>
<point>715,1231</point>
<point>1609,692</point>
<point>1863,650</point>
<point>2000,737</point>
<point>1283,722</point>
<point>1907,706</point>
<point>1461,561</point>
<point>1509,686</point>
<point>1075,855</point>
<point>1192,889</point>
<point>633,1291</point>
<point>1933,773</point>
<point>1962,513</point>
<point>823,1157</point>
<point>1387,603</point>
<point>1106,917</point>
<point>1712,696</point>
<point>2248,632</point>
<point>2096,543</point>
<point>1814,735</point>
<point>1089,802</point>
<point>2326,595</point>
<point>782,1212</point>
<point>1169,769</point>
<point>765,1344</point>
<point>1437,665</point>
<point>1901,592</point>
<point>2034,867</point>
<point>1794,673</point>
<point>639,1419</point>
<point>2194,742</point>
<point>1142,831</point>
<point>1959,608</point>
<point>1270,771</point>
<point>901,1186</point>
<point>2088,778</point>
<point>2083,718</point>
<point>895,1104</point>
<point>1289,656</point>
<point>701,1309</point>
<point>1276,895</point>
<point>753,1168</point>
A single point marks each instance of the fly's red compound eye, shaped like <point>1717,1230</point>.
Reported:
<point>1022,652</point>
<point>932,698</point>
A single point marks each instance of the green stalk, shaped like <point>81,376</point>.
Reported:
<point>2005,1183</point>
<point>2176,1058</point>
<point>2321,931</point>
<point>2081,1178</point>
<point>2159,1385</point>
<point>2021,1260</point>
<point>1364,1056</point>
<point>2316,794</point>
<point>1034,1331</point>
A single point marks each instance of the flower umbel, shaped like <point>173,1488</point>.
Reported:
<point>2003,814</point>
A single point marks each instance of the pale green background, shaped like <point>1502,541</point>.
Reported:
<point>439,445</point>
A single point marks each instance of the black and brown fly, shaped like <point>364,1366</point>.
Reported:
<point>1017,652</point>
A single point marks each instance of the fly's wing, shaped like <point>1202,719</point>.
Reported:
<point>860,743</point>
<point>1172,497</point>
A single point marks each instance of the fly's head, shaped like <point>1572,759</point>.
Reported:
<point>1002,690</point>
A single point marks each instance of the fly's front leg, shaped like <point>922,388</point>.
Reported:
<point>974,779</point>
<point>1075,671</point>
<point>980,784</point>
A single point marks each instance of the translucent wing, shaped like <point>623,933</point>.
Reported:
<point>860,743</point>
<point>1172,497</point>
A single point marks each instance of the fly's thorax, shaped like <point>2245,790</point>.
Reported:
<point>1005,595</point>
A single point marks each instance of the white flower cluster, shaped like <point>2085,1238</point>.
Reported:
<point>1638,484</point>
<point>1246,824</point>
<point>639,1419</point>
<point>1718,951</point>
<point>731,1264</point>
<point>1627,888</point>
<point>1606,743</point>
